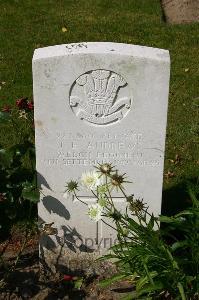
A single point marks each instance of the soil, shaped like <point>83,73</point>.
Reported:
<point>30,280</point>
<point>181,11</point>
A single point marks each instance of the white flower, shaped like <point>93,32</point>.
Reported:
<point>23,114</point>
<point>102,201</point>
<point>102,189</point>
<point>95,212</point>
<point>91,180</point>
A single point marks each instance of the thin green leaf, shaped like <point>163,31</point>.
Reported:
<point>148,273</point>
<point>151,288</point>
<point>179,244</point>
<point>109,281</point>
<point>151,222</point>
<point>181,290</point>
<point>165,219</point>
<point>174,262</point>
<point>78,283</point>
<point>144,280</point>
<point>183,213</point>
<point>193,197</point>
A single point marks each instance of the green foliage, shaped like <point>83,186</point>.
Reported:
<point>17,170</point>
<point>106,282</point>
<point>158,260</point>
<point>162,260</point>
<point>78,283</point>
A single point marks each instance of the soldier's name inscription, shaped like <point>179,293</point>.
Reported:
<point>116,148</point>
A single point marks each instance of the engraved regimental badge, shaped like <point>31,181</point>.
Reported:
<point>100,97</point>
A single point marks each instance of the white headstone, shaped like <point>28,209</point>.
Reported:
<point>97,103</point>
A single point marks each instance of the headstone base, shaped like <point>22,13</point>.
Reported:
<point>64,261</point>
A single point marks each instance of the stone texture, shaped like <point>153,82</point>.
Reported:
<point>96,103</point>
<point>181,11</point>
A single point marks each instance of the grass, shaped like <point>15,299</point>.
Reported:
<point>28,24</point>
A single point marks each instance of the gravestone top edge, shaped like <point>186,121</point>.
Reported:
<point>101,48</point>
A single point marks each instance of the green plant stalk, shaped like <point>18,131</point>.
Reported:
<point>120,235</point>
<point>147,273</point>
<point>158,256</point>
<point>145,211</point>
<point>109,193</point>
<point>80,199</point>
<point>119,229</point>
<point>173,262</point>
<point>181,290</point>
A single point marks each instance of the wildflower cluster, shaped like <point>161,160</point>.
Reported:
<point>105,168</point>
<point>136,206</point>
<point>22,109</point>
<point>95,211</point>
<point>72,186</point>
<point>100,183</point>
<point>91,180</point>
<point>24,104</point>
<point>141,253</point>
<point>117,180</point>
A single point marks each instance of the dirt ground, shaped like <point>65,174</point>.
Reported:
<point>181,12</point>
<point>30,280</point>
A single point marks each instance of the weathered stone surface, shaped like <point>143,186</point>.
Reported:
<point>181,11</point>
<point>96,103</point>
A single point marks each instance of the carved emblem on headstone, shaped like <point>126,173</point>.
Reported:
<point>95,97</point>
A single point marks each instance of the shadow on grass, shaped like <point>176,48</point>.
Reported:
<point>177,198</point>
<point>164,19</point>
